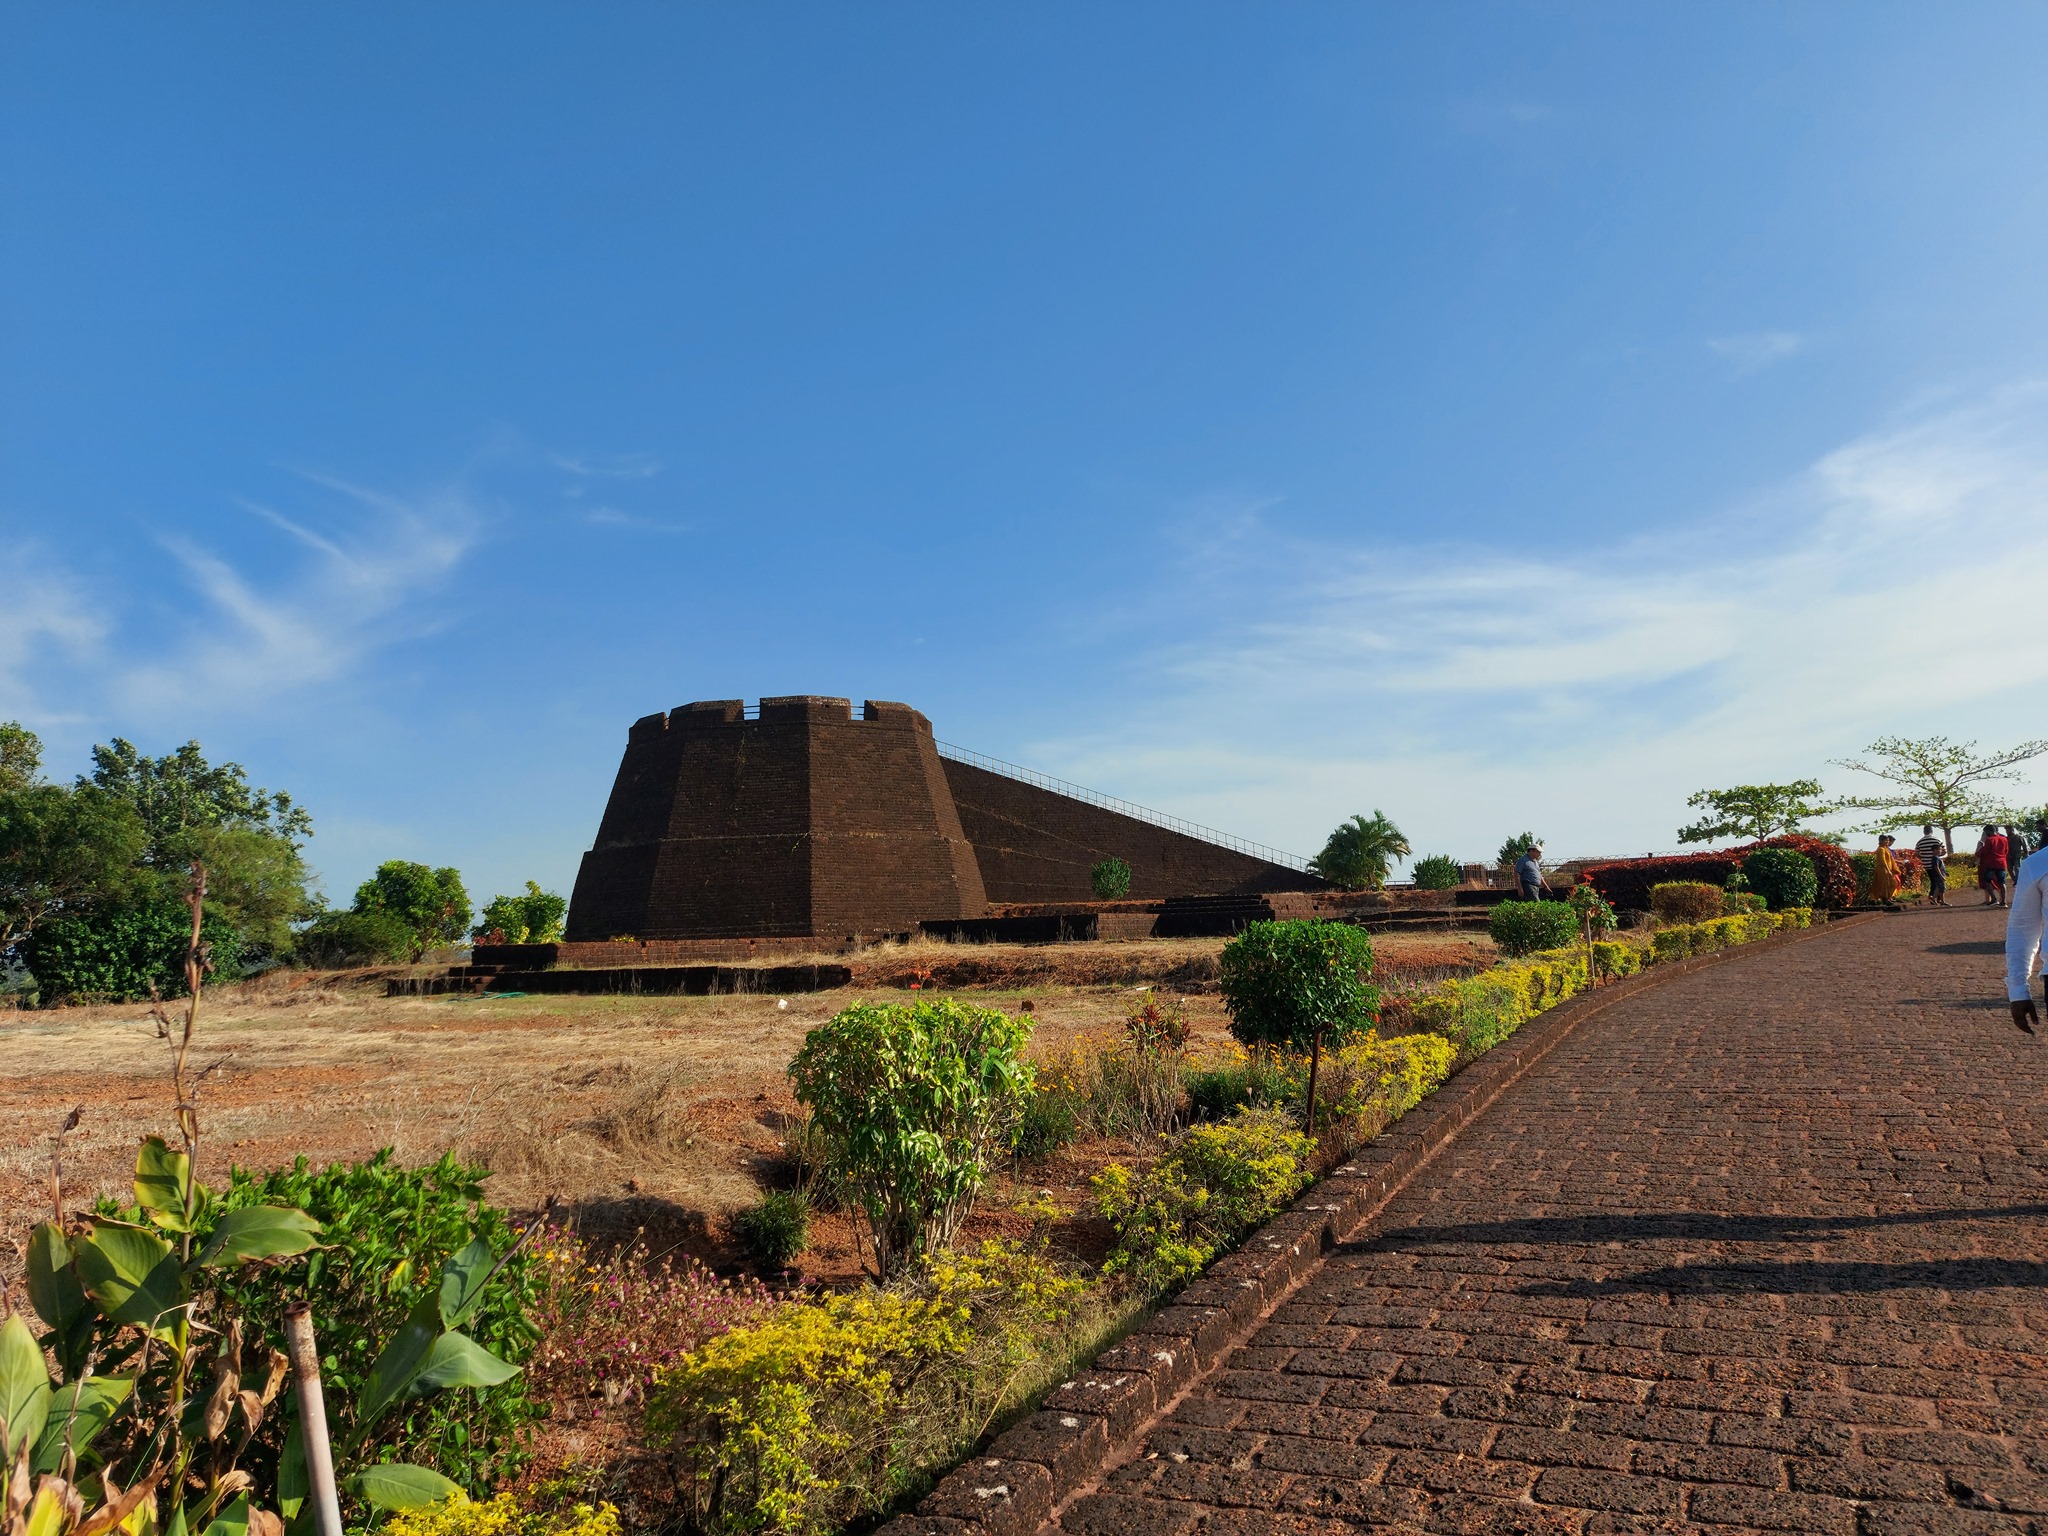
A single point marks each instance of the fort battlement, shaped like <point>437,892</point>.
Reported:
<point>796,819</point>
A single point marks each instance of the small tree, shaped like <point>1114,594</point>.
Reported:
<point>1298,984</point>
<point>1595,916</point>
<point>912,1099</point>
<point>1753,811</point>
<point>430,902</point>
<point>534,918</point>
<point>1515,847</point>
<point>1438,872</point>
<point>1110,879</point>
<point>1362,851</point>
<point>1936,779</point>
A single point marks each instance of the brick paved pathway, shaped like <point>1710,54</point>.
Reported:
<point>1763,1249</point>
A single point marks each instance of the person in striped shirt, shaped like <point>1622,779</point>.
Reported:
<point>1932,853</point>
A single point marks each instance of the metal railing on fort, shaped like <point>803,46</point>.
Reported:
<point>1192,829</point>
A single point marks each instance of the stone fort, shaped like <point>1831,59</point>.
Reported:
<point>798,819</point>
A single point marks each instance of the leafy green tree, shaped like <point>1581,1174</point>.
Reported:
<point>1297,984</point>
<point>1512,850</point>
<point>1438,872</point>
<point>121,953</point>
<point>1753,811</point>
<point>62,850</point>
<point>1936,782</point>
<point>532,918</point>
<point>335,940</point>
<point>182,791</point>
<point>430,902</point>
<point>193,811</point>
<point>21,757</point>
<point>913,1100</point>
<point>1110,879</point>
<point>1361,852</point>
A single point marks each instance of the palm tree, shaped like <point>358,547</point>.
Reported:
<point>1360,853</point>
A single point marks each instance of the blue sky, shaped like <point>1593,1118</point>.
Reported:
<point>1504,416</point>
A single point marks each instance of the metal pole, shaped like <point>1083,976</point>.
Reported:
<point>305,1358</point>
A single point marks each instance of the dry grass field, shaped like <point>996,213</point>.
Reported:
<point>655,1112</point>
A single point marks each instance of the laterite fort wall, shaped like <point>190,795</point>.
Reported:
<point>1038,845</point>
<point>803,822</point>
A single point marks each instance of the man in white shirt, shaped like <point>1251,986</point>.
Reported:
<point>2024,936</point>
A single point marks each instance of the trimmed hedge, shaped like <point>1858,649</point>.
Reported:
<point>1476,1013</point>
<point>1524,927</point>
<point>1626,882</point>
<point>1685,901</point>
<point>1783,877</point>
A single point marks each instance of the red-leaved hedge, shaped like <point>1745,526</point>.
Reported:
<point>1626,882</point>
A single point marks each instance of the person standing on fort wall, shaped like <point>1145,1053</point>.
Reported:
<point>1933,856</point>
<point>1529,875</point>
<point>2024,925</point>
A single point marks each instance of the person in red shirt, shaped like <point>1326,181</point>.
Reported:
<point>1991,849</point>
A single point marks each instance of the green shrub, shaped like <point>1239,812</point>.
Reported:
<point>775,1230</point>
<point>1369,1084</point>
<point>1214,1185</point>
<point>1615,959</point>
<point>828,1411</point>
<point>1299,985</point>
<point>505,1515</point>
<point>1048,1119</point>
<point>1476,1013</point>
<point>1784,877</point>
<point>117,954</point>
<point>1668,944</point>
<point>430,902</point>
<point>1685,901</point>
<point>1737,903</point>
<point>1438,872</point>
<point>1216,1090</point>
<point>912,1099</point>
<point>532,918</point>
<point>1524,927</point>
<point>336,940</point>
<point>388,1234</point>
<point>1110,879</point>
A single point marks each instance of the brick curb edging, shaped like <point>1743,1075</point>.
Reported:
<point>1096,1421</point>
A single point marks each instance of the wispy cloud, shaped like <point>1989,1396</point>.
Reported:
<point>613,517</point>
<point>258,639</point>
<point>1753,351</point>
<point>1595,689</point>
<point>616,466</point>
<point>43,611</point>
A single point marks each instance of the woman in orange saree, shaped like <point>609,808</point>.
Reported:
<point>1884,881</point>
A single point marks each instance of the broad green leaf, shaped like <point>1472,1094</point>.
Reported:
<point>259,1232</point>
<point>456,1360</point>
<point>397,1485</point>
<point>232,1521</point>
<point>292,1485</point>
<point>132,1274</point>
<point>59,1300</point>
<point>79,1410</point>
<point>177,1525</point>
<point>24,1388</point>
<point>402,1361</point>
<point>163,1178</point>
<point>462,1282</point>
